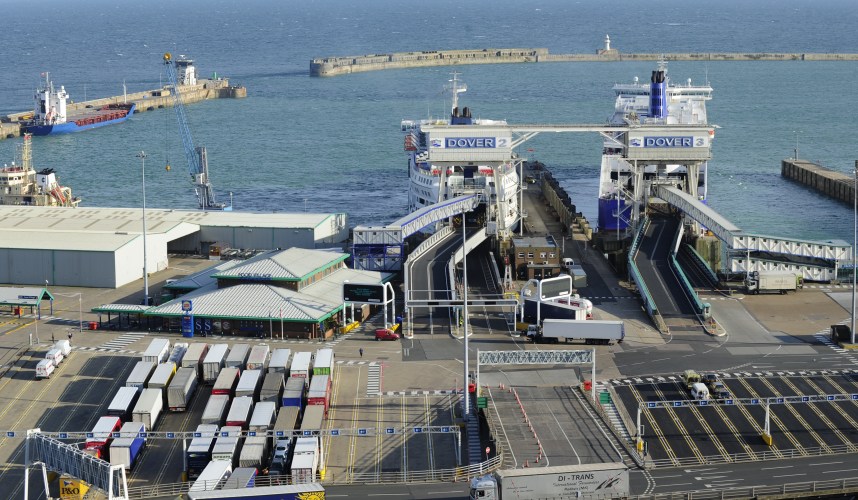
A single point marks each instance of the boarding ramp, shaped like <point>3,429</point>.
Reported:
<point>655,260</point>
<point>381,248</point>
<point>813,260</point>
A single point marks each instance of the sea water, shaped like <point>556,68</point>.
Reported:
<point>333,144</point>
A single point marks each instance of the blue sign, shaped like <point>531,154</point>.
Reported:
<point>10,434</point>
<point>115,435</point>
<point>89,435</point>
<point>27,297</point>
<point>830,398</point>
<point>445,429</point>
<point>728,402</point>
<point>64,435</point>
<point>650,405</point>
<point>171,435</point>
<point>198,434</point>
<point>669,142</point>
<point>390,430</point>
<point>279,434</point>
<point>188,325</point>
<point>703,402</point>
<point>418,430</point>
<point>335,432</point>
<point>251,434</point>
<point>143,435</point>
<point>855,396</point>
<point>362,432</point>
<point>308,433</point>
<point>677,403</point>
<point>469,142</point>
<point>805,399</point>
<point>755,401</point>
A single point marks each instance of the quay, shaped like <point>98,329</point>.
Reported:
<point>333,66</point>
<point>834,184</point>
<point>219,88</point>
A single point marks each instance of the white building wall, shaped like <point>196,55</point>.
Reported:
<point>58,267</point>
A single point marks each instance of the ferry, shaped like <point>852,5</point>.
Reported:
<point>21,184</point>
<point>53,116</point>
<point>430,184</point>
<point>658,102</point>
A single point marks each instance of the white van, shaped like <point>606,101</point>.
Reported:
<point>44,368</point>
<point>568,263</point>
<point>55,356</point>
<point>699,391</point>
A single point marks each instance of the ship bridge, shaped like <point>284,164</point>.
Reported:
<point>381,248</point>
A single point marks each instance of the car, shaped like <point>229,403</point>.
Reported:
<point>710,379</point>
<point>281,449</point>
<point>722,395</point>
<point>386,334</point>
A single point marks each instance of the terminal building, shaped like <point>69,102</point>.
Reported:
<point>293,293</point>
<point>103,247</point>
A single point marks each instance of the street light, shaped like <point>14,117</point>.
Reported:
<point>142,155</point>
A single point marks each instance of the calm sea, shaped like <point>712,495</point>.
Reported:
<point>334,144</point>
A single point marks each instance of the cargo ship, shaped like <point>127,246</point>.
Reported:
<point>21,184</point>
<point>52,116</point>
<point>659,101</point>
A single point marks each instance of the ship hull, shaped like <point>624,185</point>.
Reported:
<point>106,116</point>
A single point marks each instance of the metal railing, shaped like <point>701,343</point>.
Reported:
<point>784,491</point>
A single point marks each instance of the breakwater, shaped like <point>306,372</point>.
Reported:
<point>836,185</point>
<point>145,101</point>
<point>333,66</point>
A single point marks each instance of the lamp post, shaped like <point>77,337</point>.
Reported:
<point>142,155</point>
<point>465,316</point>
<point>854,243</point>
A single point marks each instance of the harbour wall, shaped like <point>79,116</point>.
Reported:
<point>146,101</point>
<point>836,185</point>
<point>333,66</point>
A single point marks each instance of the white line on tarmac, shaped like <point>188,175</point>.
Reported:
<point>781,467</point>
<point>826,463</point>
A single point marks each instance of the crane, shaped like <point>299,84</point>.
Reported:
<point>198,164</point>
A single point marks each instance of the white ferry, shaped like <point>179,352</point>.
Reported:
<point>430,184</point>
<point>658,102</point>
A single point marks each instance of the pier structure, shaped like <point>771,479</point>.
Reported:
<point>334,66</point>
<point>829,182</point>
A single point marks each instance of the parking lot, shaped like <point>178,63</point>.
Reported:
<point>359,458</point>
<point>729,430</point>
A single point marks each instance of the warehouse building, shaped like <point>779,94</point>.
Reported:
<point>103,247</point>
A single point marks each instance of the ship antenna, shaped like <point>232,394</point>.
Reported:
<point>456,89</point>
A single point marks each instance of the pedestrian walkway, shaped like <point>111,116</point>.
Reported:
<point>373,379</point>
<point>117,344</point>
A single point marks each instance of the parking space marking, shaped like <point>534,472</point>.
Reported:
<point>687,435</point>
<point>373,380</point>
<point>774,418</point>
<point>671,455</point>
<point>791,408</point>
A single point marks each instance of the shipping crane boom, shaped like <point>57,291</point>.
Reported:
<point>197,160</point>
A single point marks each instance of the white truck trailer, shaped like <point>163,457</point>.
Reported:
<point>157,351</point>
<point>772,282</point>
<point>148,407</point>
<point>214,361</point>
<point>596,481</point>
<point>181,389</point>
<point>258,357</point>
<point>590,331</point>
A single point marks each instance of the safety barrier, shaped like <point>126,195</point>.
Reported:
<point>701,264</point>
<point>680,274</point>
<point>649,302</point>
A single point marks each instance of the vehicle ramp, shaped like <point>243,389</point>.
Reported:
<point>656,264</point>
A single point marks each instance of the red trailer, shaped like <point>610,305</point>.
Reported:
<point>320,391</point>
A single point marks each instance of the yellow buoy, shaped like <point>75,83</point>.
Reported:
<point>167,168</point>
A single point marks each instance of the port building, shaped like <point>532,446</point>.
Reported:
<point>103,247</point>
<point>292,293</point>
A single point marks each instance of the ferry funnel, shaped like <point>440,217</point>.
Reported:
<point>658,95</point>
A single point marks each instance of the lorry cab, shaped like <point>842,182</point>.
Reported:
<point>699,391</point>
<point>483,488</point>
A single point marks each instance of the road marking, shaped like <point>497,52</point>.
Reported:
<point>674,484</point>
<point>790,475</point>
<point>781,467</point>
<point>834,471</point>
<point>826,463</point>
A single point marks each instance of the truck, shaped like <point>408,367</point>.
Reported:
<point>324,362</point>
<point>314,416</point>
<point>304,467</point>
<point>199,452</point>
<point>285,492</point>
<point>258,357</point>
<point>607,480</point>
<point>100,436</point>
<point>320,391</point>
<point>148,407</point>
<point>248,384</point>
<point>579,276</point>
<point>214,474</point>
<point>178,353</point>
<point>162,376</point>
<point>239,412</point>
<point>293,393</point>
<point>238,356</point>
<point>122,404</point>
<point>287,419</point>
<point>253,452</point>
<point>194,357</point>
<point>300,367</point>
<point>226,444</point>
<point>215,409</point>
<point>125,449</point>
<point>280,360</point>
<point>263,416</point>
<point>181,389</point>
<point>773,282</point>
<point>45,368</point>
<point>214,361</point>
<point>272,387</point>
<point>226,381</point>
<point>140,375</point>
<point>307,445</point>
<point>562,308</point>
<point>242,477</point>
<point>157,351</point>
<point>592,332</point>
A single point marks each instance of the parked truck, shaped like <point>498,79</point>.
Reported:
<point>215,409</point>
<point>572,308</point>
<point>99,438</point>
<point>238,356</point>
<point>148,407</point>
<point>258,357</point>
<point>122,404</point>
<point>181,389</point>
<point>125,449</point>
<point>214,361</point>
<point>590,331</point>
<point>248,384</point>
<point>157,351</point>
<point>773,282</point>
<point>215,474</point>
<point>254,452</point>
<point>140,375</point>
<point>199,452</point>
<point>226,381</point>
<point>227,444</point>
<point>272,387</point>
<point>161,377</point>
<point>300,367</point>
<point>293,393</point>
<point>608,480</point>
<point>280,360</point>
<point>286,492</point>
<point>194,357</point>
<point>239,412</point>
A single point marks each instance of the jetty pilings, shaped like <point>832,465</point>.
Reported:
<point>831,183</point>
